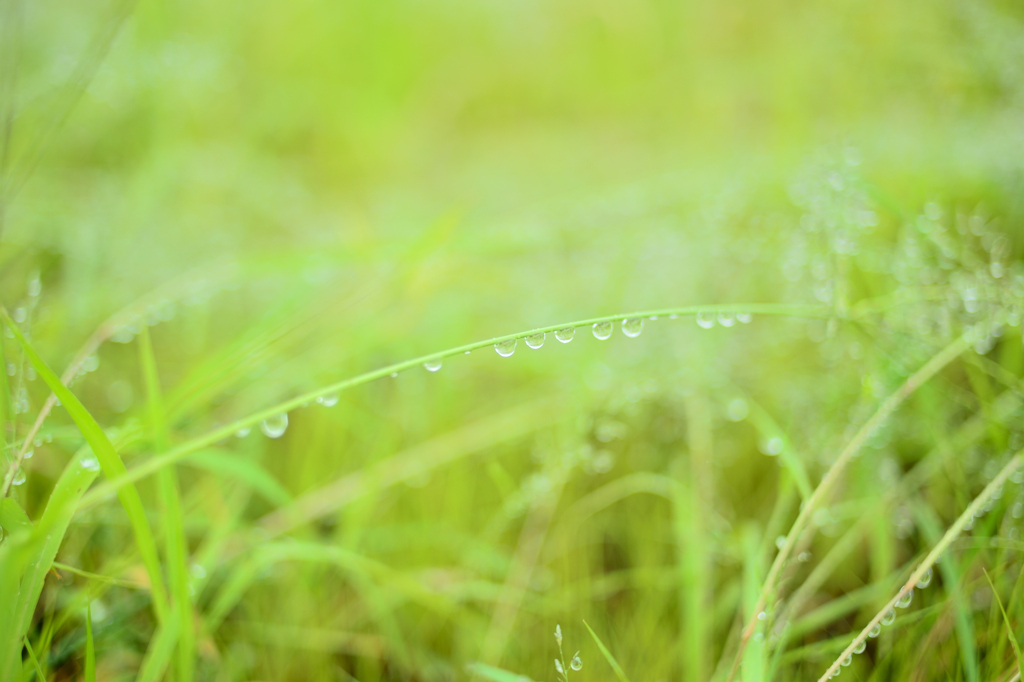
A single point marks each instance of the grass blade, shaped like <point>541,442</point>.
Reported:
<point>176,547</point>
<point>90,648</point>
<point>109,461</point>
<point>161,648</point>
<point>619,673</point>
<point>1006,620</point>
<point>34,660</point>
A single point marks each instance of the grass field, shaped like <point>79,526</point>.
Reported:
<point>570,341</point>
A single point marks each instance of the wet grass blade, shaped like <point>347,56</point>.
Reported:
<point>616,668</point>
<point>110,463</point>
<point>176,547</point>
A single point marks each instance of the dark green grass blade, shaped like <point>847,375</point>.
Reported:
<point>176,548</point>
<point>619,673</point>
<point>1006,621</point>
<point>111,464</point>
<point>90,648</point>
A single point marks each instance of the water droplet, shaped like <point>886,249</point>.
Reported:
<point>889,617</point>
<point>762,616</point>
<point>432,365</point>
<point>19,477</point>
<point>328,400</point>
<point>875,631</point>
<point>926,579</point>
<point>905,599</point>
<point>29,453</point>
<point>705,320</point>
<point>565,335</point>
<point>771,446</point>
<point>803,557</point>
<point>535,341</point>
<point>602,330</point>
<point>847,661</point>
<point>726,318</point>
<point>123,335</point>
<point>20,314</point>
<point>35,286</point>
<point>737,410</point>
<point>576,663</point>
<point>91,364</point>
<point>861,646</point>
<point>197,571</point>
<point>242,432</point>
<point>38,441</point>
<point>274,427</point>
<point>505,348</point>
<point>632,326</point>
<point>780,541</point>
<point>744,317</point>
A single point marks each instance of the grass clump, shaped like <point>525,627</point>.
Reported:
<point>375,341</point>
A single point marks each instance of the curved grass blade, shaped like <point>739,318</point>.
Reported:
<point>619,673</point>
<point>109,461</point>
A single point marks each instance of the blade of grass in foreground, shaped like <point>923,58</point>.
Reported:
<point>1006,621</point>
<point>90,648</point>
<point>176,549</point>
<point>110,463</point>
<point>616,668</point>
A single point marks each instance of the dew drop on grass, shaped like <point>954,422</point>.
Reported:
<point>875,631</point>
<point>19,477</point>
<point>576,663</point>
<point>565,335</point>
<point>905,599</point>
<point>29,453</point>
<point>274,427</point>
<point>505,348</point>
<point>632,326</point>
<point>847,661</point>
<point>726,318</point>
<point>602,330</point>
<point>705,320</point>
<point>535,341</point>
<point>328,400</point>
<point>925,580</point>
<point>432,365</point>
<point>737,410</point>
<point>90,463</point>
<point>859,649</point>
<point>889,617</point>
<point>242,432</point>
<point>744,318</point>
<point>780,541</point>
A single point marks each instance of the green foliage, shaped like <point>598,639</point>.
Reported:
<point>241,231</point>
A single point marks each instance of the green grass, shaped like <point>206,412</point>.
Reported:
<point>234,239</point>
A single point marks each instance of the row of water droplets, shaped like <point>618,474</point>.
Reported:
<point>277,425</point>
<point>906,596</point>
<point>631,327</point>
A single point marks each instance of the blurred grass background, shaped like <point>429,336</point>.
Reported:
<point>289,194</point>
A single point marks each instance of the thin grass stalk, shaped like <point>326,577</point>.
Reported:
<point>915,381</point>
<point>954,531</point>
